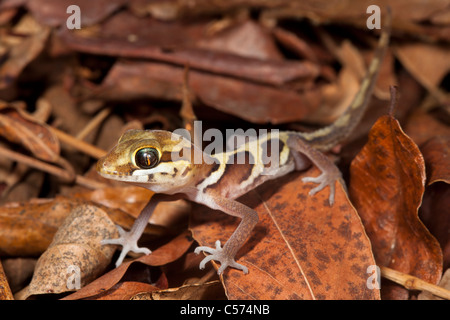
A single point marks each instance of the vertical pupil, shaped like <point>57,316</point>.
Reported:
<point>146,158</point>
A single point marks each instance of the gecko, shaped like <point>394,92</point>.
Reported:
<point>161,161</point>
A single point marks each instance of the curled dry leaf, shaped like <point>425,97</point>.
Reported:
<point>20,56</point>
<point>159,257</point>
<point>435,210</point>
<point>27,229</point>
<point>18,271</point>
<point>444,283</point>
<point>247,39</point>
<point>428,63</point>
<point>127,290</point>
<point>301,247</point>
<point>422,127</point>
<point>436,153</point>
<point>387,180</point>
<point>249,101</point>
<point>18,126</point>
<point>75,250</point>
<point>131,200</point>
<point>5,291</point>
<point>187,44</point>
<point>194,291</point>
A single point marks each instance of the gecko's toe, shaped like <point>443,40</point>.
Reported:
<point>128,242</point>
<point>219,255</point>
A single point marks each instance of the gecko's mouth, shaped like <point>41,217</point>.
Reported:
<point>111,172</point>
<point>112,175</point>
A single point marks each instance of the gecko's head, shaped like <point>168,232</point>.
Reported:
<point>155,159</point>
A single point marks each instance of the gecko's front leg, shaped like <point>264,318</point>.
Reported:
<point>226,255</point>
<point>128,239</point>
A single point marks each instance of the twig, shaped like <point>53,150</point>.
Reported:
<point>186,111</point>
<point>89,183</point>
<point>38,164</point>
<point>78,144</point>
<point>64,174</point>
<point>394,100</point>
<point>413,283</point>
<point>94,123</point>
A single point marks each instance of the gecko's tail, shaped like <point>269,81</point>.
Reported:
<point>326,138</point>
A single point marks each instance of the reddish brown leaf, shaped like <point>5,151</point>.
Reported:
<point>248,101</point>
<point>386,187</point>
<point>129,202</point>
<point>27,229</point>
<point>185,44</point>
<point>247,39</point>
<point>161,256</point>
<point>19,127</point>
<point>54,12</point>
<point>5,291</point>
<point>422,126</point>
<point>435,210</point>
<point>18,271</point>
<point>126,291</point>
<point>20,56</point>
<point>436,153</point>
<point>300,249</point>
<point>428,63</point>
<point>195,291</point>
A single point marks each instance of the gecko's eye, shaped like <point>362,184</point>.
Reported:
<point>147,158</point>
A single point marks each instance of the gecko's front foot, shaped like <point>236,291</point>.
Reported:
<point>128,241</point>
<point>219,255</point>
<point>327,178</point>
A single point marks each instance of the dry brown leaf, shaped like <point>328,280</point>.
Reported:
<point>127,290</point>
<point>301,247</point>
<point>27,229</point>
<point>249,101</point>
<point>435,210</point>
<point>181,44</point>
<point>247,39</point>
<point>76,244</point>
<point>20,56</point>
<point>209,290</point>
<point>428,63</point>
<point>132,200</point>
<point>422,126</point>
<point>19,271</point>
<point>18,126</point>
<point>387,180</point>
<point>5,291</point>
<point>436,153</point>
<point>434,213</point>
<point>444,283</point>
<point>159,257</point>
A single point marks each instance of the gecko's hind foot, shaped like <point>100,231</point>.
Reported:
<point>128,242</point>
<point>323,180</point>
<point>219,255</point>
